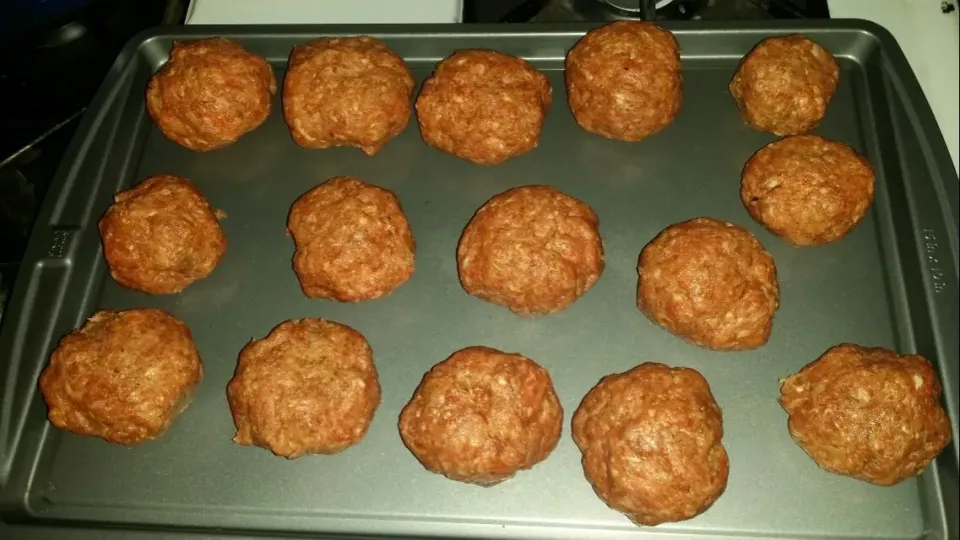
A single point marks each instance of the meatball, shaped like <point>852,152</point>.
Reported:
<point>210,93</point>
<point>481,415</point>
<point>123,376</point>
<point>161,235</point>
<point>806,189</point>
<point>710,283</point>
<point>650,439</point>
<point>531,249</point>
<point>785,84</point>
<point>353,241</point>
<point>350,91</point>
<point>483,106</point>
<point>623,80</point>
<point>867,412</point>
<point>309,387</point>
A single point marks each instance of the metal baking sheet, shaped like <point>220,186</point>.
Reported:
<point>892,282</point>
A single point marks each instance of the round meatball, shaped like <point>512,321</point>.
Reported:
<point>210,93</point>
<point>481,415</point>
<point>123,376</point>
<point>785,84</point>
<point>806,189</point>
<point>161,235</point>
<point>710,283</point>
<point>309,387</point>
<point>353,241</point>
<point>623,80</point>
<point>484,106</point>
<point>531,249</point>
<point>867,412</point>
<point>349,91</point>
<point>650,439</point>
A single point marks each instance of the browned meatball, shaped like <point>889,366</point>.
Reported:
<point>710,283</point>
<point>353,241</point>
<point>309,387</point>
<point>481,415</point>
<point>650,439</point>
<point>484,106</point>
<point>531,249</point>
<point>161,235</point>
<point>350,91</point>
<point>806,189</point>
<point>867,412</point>
<point>785,84</point>
<point>123,376</point>
<point>210,93</point>
<point>623,80</point>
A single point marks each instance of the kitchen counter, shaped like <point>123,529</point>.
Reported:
<point>323,12</point>
<point>930,39</point>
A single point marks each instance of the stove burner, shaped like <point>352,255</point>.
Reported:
<point>616,9</point>
<point>648,10</point>
<point>612,10</point>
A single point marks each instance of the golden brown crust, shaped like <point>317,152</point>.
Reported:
<point>210,93</point>
<point>710,283</point>
<point>623,80</point>
<point>650,439</point>
<point>161,235</point>
<point>806,189</point>
<point>484,106</point>
<point>784,85</point>
<point>123,376</point>
<point>481,415</point>
<point>349,91</point>
<point>353,241</point>
<point>867,412</point>
<point>531,249</point>
<point>309,387</point>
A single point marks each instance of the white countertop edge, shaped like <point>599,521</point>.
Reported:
<point>930,39</point>
<point>323,11</point>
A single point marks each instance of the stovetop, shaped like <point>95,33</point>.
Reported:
<point>50,68</point>
<point>548,11</point>
<point>49,74</point>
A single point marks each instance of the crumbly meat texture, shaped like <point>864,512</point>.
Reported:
<point>711,283</point>
<point>309,387</point>
<point>650,439</point>
<point>349,91</point>
<point>123,376</point>
<point>210,93</point>
<point>161,235</point>
<point>785,84</point>
<point>806,189</point>
<point>481,415</point>
<point>623,80</point>
<point>867,412</point>
<point>353,241</point>
<point>531,249</point>
<point>484,106</point>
